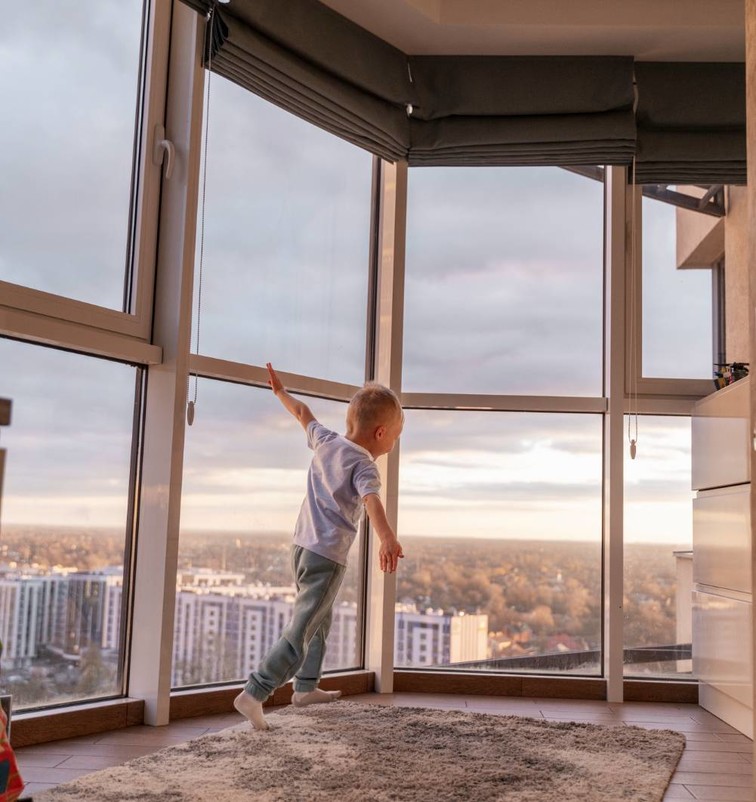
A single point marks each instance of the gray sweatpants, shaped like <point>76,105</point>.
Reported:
<point>300,650</point>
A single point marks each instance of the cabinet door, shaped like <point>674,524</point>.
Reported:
<point>721,438</point>
<point>722,538</point>
<point>722,653</point>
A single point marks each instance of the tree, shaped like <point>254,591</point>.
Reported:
<point>95,676</point>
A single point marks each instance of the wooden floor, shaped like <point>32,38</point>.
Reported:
<point>717,765</point>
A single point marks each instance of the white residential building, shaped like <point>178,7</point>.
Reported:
<point>223,626</point>
<point>435,638</point>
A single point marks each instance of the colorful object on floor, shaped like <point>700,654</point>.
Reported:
<point>11,784</point>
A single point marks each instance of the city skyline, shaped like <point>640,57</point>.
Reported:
<point>457,601</point>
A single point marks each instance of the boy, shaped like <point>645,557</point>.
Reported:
<point>342,479</point>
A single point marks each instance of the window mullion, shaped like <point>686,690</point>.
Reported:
<point>154,590</point>
<point>616,206</point>
<point>381,588</point>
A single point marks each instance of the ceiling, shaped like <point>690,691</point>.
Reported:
<point>649,30</point>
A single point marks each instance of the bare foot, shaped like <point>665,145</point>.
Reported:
<point>315,697</point>
<point>248,706</point>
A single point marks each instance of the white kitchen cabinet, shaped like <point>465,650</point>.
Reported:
<point>722,601</point>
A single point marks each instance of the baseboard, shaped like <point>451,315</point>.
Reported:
<point>732,711</point>
<point>642,690</point>
<point>87,719</point>
<point>477,684</point>
<point>590,688</point>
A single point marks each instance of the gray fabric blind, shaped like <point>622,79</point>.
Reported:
<point>691,123</point>
<point>484,110</point>
<point>518,111</point>
<point>574,139</point>
<point>304,57</point>
<point>318,65</point>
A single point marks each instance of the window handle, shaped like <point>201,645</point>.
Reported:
<point>163,147</point>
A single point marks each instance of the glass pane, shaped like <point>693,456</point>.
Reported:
<point>245,470</point>
<point>287,224</point>
<point>70,81</point>
<point>658,550</point>
<point>677,304</point>
<point>500,520</point>
<point>504,287</point>
<point>64,516</point>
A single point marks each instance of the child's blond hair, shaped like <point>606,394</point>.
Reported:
<point>372,405</point>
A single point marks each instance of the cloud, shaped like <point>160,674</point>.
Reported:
<point>286,241</point>
<point>71,425</point>
<point>71,88</point>
<point>456,214</point>
<point>525,494</point>
<point>677,328</point>
<point>238,427</point>
<point>506,325</point>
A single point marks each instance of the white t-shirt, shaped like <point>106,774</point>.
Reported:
<point>341,475</point>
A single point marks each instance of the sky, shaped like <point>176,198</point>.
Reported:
<point>69,86</point>
<point>503,295</point>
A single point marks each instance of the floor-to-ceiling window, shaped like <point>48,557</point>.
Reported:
<point>284,279</point>
<point>500,510</point>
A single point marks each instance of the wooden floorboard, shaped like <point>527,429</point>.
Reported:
<point>717,765</point>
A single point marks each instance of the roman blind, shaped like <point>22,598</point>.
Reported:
<point>434,110</point>
<point>317,64</point>
<point>502,110</point>
<point>683,122</point>
<point>691,123</point>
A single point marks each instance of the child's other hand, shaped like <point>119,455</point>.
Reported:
<point>389,554</point>
<point>273,381</point>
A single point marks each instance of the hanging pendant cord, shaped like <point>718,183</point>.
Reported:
<point>209,51</point>
<point>632,417</point>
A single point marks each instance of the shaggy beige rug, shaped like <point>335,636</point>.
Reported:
<point>347,752</point>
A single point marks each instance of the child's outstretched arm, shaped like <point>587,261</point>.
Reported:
<point>298,409</point>
<point>391,548</point>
